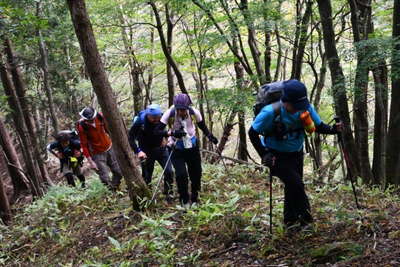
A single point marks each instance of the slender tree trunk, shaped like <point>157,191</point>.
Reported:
<point>338,82</point>
<point>235,51</point>
<point>251,40</point>
<point>393,141</point>
<point>267,44</point>
<point>380,126</point>
<point>170,75</point>
<point>20,87</point>
<point>279,58</point>
<point>242,153</point>
<point>150,71</point>
<point>360,18</point>
<point>44,65</point>
<point>302,41</point>
<point>73,99</point>
<point>136,186</point>
<point>14,167</point>
<point>226,133</point>
<point>5,211</point>
<point>135,69</point>
<point>164,47</point>
<point>316,102</point>
<point>21,128</point>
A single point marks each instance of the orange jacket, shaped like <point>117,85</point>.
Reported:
<point>94,140</point>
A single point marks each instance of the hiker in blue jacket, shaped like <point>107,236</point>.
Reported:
<point>151,146</point>
<point>277,134</point>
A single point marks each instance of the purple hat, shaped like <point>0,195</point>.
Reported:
<point>182,101</point>
<point>295,92</point>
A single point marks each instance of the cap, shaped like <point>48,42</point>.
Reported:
<point>295,92</point>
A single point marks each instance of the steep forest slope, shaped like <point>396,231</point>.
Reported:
<point>94,227</point>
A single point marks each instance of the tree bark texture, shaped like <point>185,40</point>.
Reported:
<point>360,19</point>
<point>300,42</point>
<point>393,141</point>
<point>136,186</point>
<point>135,69</point>
<point>5,211</point>
<point>338,82</point>
<point>14,167</point>
<point>19,122</point>
<point>20,88</point>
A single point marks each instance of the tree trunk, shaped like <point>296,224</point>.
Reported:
<point>22,130</point>
<point>170,76</point>
<point>300,45</point>
<point>267,44</point>
<point>279,59</point>
<point>338,82</point>
<point>380,126</point>
<point>44,65</point>
<point>393,140</point>
<point>242,152</point>
<point>20,87</point>
<point>164,47</point>
<point>136,186</point>
<point>150,71</point>
<point>226,133</point>
<point>14,167</point>
<point>5,211</point>
<point>251,40</point>
<point>360,18</point>
<point>135,69</point>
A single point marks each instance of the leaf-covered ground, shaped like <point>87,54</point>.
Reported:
<point>94,227</point>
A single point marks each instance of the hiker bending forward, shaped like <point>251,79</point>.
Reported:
<point>152,147</point>
<point>186,154</point>
<point>97,146</point>
<point>281,128</point>
<point>68,150</point>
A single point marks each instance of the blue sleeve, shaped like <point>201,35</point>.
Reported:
<point>52,146</point>
<point>264,120</point>
<point>314,115</point>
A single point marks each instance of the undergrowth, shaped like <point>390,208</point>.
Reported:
<point>95,227</point>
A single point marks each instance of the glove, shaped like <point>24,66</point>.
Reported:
<point>337,127</point>
<point>268,159</point>
<point>178,133</point>
<point>212,139</point>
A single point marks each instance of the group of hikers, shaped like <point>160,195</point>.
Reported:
<point>277,133</point>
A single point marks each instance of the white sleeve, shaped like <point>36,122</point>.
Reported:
<point>197,115</point>
<point>165,116</point>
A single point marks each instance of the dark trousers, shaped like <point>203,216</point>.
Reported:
<point>289,168</point>
<point>159,154</point>
<point>187,161</point>
<point>71,180</point>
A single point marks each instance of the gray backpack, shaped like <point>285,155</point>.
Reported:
<point>267,94</point>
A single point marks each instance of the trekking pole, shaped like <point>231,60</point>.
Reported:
<point>162,174</point>
<point>348,162</point>
<point>270,201</point>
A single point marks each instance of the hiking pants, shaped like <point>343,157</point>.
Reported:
<point>106,161</point>
<point>69,172</point>
<point>187,161</point>
<point>159,154</point>
<point>289,168</point>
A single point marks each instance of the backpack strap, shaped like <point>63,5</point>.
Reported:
<point>85,127</point>
<point>276,106</point>
<point>171,118</point>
